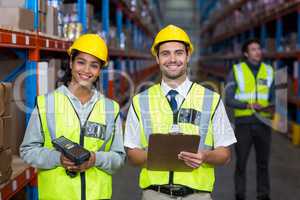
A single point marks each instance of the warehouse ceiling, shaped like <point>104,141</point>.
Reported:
<point>185,14</point>
<point>181,13</point>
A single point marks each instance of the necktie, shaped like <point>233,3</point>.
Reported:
<point>172,94</point>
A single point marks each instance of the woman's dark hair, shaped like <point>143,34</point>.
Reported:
<point>66,79</point>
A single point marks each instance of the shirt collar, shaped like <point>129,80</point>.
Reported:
<point>65,90</point>
<point>182,89</point>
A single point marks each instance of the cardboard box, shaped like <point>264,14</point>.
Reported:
<point>6,158</point>
<point>5,132</point>
<point>2,102</point>
<point>8,65</point>
<point>5,175</point>
<point>42,4</point>
<point>53,72</point>
<point>5,164</point>
<point>12,3</point>
<point>3,140</point>
<point>17,17</point>
<point>5,98</point>
<point>17,132</point>
<point>52,21</point>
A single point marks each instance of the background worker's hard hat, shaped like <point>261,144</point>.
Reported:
<point>92,44</point>
<point>171,33</point>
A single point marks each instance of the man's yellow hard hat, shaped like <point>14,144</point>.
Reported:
<point>171,33</point>
<point>92,44</point>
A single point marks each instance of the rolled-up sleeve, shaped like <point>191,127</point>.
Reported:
<point>114,159</point>
<point>32,150</point>
<point>222,131</point>
<point>132,130</point>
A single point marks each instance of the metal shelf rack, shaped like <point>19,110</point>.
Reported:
<point>30,45</point>
<point>274,21</point>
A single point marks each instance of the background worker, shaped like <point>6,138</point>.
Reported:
<point>250,87</point>
<point>79,112</point>
<point>193,109</point>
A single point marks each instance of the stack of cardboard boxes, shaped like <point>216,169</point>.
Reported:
<point>5,128</point>
<point>14,15</point>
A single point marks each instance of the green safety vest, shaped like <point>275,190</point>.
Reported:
<point>58,118</point>
<point>251,89</point>
<point>194,117</point>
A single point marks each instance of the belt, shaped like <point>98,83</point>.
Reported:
<point>173,190</point>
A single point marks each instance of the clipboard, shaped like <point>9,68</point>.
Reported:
<point>163,151</point>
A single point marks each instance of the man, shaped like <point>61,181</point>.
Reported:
<point>77,111</point>
<point>173,106</point>
<point>250,89</point>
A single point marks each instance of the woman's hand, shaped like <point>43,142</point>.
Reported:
<point>69,165</point>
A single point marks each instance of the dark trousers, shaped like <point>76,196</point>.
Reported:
<point>260,135</point>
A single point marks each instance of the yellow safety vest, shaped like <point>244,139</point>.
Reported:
<point>194,117</point>
<point>251,89</point>
<point>58,118</point>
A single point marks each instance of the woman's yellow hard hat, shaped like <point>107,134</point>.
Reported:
<point>171,33</point>
<point>92,44</point>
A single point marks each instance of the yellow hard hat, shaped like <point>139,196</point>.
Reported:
<point>92,44</point>
<point>171,33</point>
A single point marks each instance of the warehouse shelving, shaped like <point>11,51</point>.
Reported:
<point>22,175</point>
<point>257,19</point>
<point>133,16</point>
<point>222,14</point>
<point>32,46</point>
<point>269,23</point>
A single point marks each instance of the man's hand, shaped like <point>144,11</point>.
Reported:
<point>193,160</point>
<point>69,165</point>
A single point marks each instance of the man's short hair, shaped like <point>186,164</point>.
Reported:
<point>185,45</point>
<point>248,42</point>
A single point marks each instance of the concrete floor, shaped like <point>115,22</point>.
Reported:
<point>284,166</point>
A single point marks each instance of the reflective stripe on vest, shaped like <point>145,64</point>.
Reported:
<point>110,117</point>
<point>58,118</point>
<point>205,117</point>
<point>252,89</point>
<point>155,116</point>
<point>145,113</point>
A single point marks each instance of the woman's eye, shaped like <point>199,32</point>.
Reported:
<point>95,66</point>
<point>80,62</point>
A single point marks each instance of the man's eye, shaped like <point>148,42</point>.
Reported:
<point>179,53</point>
<point>164,53</point>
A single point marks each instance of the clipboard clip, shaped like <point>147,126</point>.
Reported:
<point>175,129</point>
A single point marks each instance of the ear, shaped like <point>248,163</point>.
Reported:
<point>157,59</point>
<point>246,54</point>
<point>70,64</point>
<point>188,57</point>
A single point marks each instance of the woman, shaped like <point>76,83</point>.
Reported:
<point>77,111</point>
